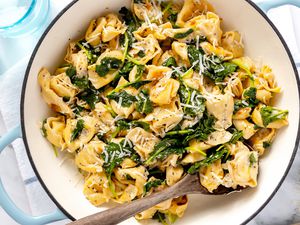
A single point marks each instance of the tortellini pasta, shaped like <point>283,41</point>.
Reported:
<point>157,92</point>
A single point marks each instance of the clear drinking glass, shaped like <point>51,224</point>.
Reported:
<point>20,17</point>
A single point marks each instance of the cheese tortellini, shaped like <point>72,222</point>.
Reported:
<point>157,92</point>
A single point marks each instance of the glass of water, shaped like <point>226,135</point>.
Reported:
<point>20,17</point>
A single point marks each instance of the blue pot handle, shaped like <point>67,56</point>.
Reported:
<point>8,205</point>
<point>266,5</point>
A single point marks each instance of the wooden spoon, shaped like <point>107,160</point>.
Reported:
<point>190,184</point>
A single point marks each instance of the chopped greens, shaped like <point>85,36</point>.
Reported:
<point>236,136</point>
<point>210,66</point>
<point>218,154</point>
<point>43,129</point>
<point>152,184</point>
<point>114,154</point>
<point>192,101</point>
<point>250,96</point>
<point>122,98</point>
<point>202,130</point>
<point>108,64</point>
<point>165,148</point>
<point>78,129</point>
<point>183,35</point>
<point>270,114</point>
<point>160,217</point>
<point>71,72</point>
<point>126,125</point>
<point>252,159</point>
<point>266,144</point>
<point>144,105</point>
<point>90,96</point>
<point>170,62</point>
<point>82,83</point>
<point>91,53</point>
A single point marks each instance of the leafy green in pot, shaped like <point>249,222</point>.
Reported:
<point>236,136</point>
<point>192,101</point>
<point>71,72</point>
<point>108,64</point>
<point>218,154</point>
<point>78,129</point>
<point>125,99</point>
<point>170,62</point>
<point>152,184</point>
<point>252,159</point>
<point>204,128</point>
<point>114,154</point>
<point>144,105</point>
<point>266,144</point>
<point>91,53</point>
<point>250,96</point>
<point>165,148</point>
<point>270,114</point>
<point>183,35</point>
<point>90,96</point>
<point>44,131</point>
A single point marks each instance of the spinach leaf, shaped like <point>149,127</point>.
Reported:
<point>170,62</point>
<point>127,67</point>
<point>71,72</point>
<point>91,53</point>
<point>152,184</point>
<point>90,95</point>
<point>252,159</point>
<point>108,64</point>
<point>125,99</point>
<point>78,129</point>
<point>129,18</point>
<point>270,114</point>
<point>266,144</point>
<point>192,101</point>
<point>141,54</point>
<point>144,105</point>
<point>183,35</point>
<point>250,96</point>
<point>221,71</point>
<point>126,125</point>
<point>141,124</point>
<point>170,13</point>
<point>132,24</point>
<point>137,84</point>
<point>239,104</point>
<point>236,136</point>
<point>218,154</point>
<point>160,217</point>
<point>44,131</point>
<point>165,148</point>
<point>204,128</point>
<point>211,66</point>
<point>81,83</point>
<point>179,132</point>
<point>114,154</point>
<point>194,56</point>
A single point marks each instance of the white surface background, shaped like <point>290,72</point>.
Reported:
<point>284,208</point>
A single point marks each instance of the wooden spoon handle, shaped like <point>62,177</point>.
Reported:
<point>125,211</point>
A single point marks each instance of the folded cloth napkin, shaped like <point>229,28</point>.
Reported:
<point>285,19</point>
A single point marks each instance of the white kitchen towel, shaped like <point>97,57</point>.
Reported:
<point>11,82</point>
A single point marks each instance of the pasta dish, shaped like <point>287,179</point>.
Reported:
<point>155,92</point>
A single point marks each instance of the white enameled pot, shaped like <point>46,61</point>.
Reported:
<point>60,177</point>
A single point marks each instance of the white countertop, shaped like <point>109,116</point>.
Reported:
<point>283,209</point>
